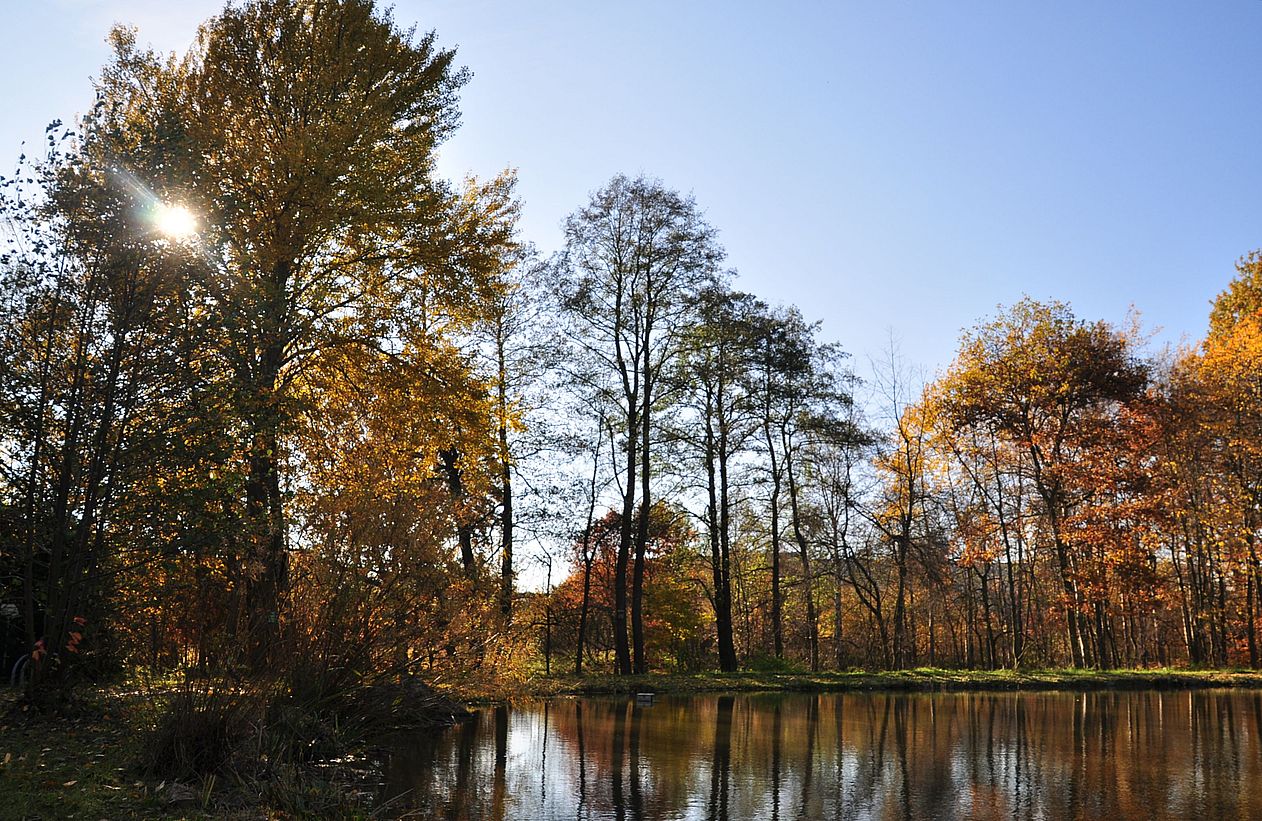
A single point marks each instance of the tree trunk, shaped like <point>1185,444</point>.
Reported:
<point>582,614</point>
<point>777,597</point>
<point>641,665</point>
<point>808,587</point>
<point>588,558</point>
<point>900,603</point>
<point>506,480</point>
<point>622,646</point>
<point>450,459</point>
<point>264,505</point>
<point>727,646</point>
<point>719,523</point>
<point>506,533</point>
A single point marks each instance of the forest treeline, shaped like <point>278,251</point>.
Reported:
<point>310,438</point>
<point>1058,495</point>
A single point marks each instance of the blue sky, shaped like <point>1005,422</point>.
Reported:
<point>887,166</point>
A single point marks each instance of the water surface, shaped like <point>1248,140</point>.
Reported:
<point>1114,755</point>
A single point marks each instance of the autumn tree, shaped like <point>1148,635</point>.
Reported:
<point>1227,391</point>
<point>1200,561</point>
<point>1033,376</point>
<point>901,509</point>
<point>674,623</point>
<point>317,270</point>
<point>304,137</point>
<point>634,256</point>
<point>93,391</point>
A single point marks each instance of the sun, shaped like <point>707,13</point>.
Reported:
<point>175,221</point>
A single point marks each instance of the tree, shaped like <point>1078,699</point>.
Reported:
<point>794,380</point>
<point>1033,376</point>
<point>673,619</point>
<point>331,276</point>
<point>778,358</point>
<point>633,257</point>
<point>522,352</point>
<point>719,351</point>
<point>302,134</point>
<point>1199,559</point>
<point>587,547</point>
<point>1226,399</point>
<point>1241,301</point>
<point>91,392</point>
<point>987,494</point>
<point>901,509</point>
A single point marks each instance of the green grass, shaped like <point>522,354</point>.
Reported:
<point>80,767</point>
<point>918,679</point>
<point>86,766</point>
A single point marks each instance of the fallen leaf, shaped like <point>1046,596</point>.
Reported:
<point>178,792</point>
<point>70,783</point>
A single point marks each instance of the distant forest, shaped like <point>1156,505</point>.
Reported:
<point>277,400</point>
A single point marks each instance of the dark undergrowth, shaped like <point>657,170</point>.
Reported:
<point>206,748</point>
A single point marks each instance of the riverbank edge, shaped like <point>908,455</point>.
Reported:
<point>60,766</point>
<point>917,680</point>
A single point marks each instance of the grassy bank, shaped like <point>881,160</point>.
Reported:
<point>88,765</point>
<point>82,766</point>
<point>926,679</point>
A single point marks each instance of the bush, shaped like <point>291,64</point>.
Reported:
<point>771,664</point>
<point>214,726</point>
<point>200,730</point>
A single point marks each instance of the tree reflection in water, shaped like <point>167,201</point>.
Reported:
<point>619,733</point>
<point>1023,756</point>
<point>721,768</point>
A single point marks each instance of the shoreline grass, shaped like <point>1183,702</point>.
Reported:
<point>922,679</point>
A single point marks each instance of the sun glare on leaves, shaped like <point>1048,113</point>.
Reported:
<point>175,222</point>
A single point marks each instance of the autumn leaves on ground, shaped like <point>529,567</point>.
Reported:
<point>269,474</point>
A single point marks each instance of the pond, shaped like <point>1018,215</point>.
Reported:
<point>1061,755</point>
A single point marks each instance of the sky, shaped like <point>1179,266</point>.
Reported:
<point>895,169</point>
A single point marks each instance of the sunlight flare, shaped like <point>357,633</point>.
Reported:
<point>175,221</point>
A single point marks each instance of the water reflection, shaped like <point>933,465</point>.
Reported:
<point>1152,755</point>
